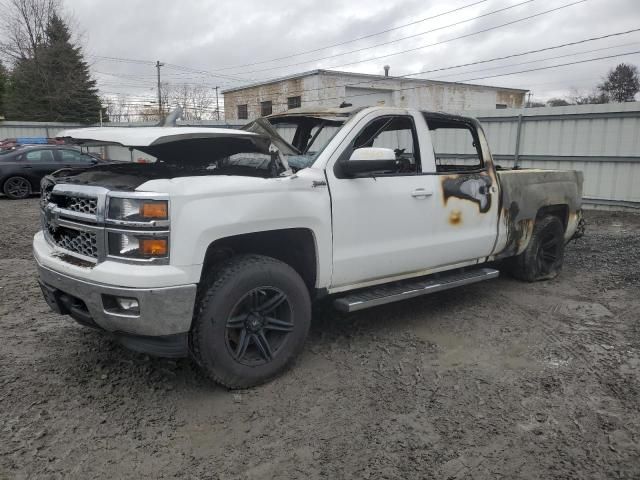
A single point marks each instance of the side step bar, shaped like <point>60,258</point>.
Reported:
<point>393,292</point>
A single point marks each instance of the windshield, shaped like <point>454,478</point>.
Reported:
<point>319,137</point>
<point>304,137</point>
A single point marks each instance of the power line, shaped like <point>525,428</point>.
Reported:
<point>396,40</point>
<point>122,60</point>
<point>520,54</point>
<point>481,78</point>
<point>149,62</point>
<point>354,39</point>
<point>451,67</point>
<point>503,57</point>
<point>168,65</point>
<point>535,61</point>
<point>462,36</point>
<point>191,70</point>
<point>553,66</point>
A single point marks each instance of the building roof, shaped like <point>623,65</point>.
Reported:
<point>366,76</point>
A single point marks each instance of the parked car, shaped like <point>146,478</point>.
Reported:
<point>22,168</point>
<point>219,248</point>
<point>13,143</point>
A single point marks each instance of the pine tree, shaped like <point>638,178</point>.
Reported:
<point>54,84</point>
<point>72,93</point>
<point>25,99</point>
<point>622,83</point>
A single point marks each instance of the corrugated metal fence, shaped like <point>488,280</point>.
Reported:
<point>603,141</point>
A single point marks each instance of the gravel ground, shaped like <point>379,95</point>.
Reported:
<point>495,380</point>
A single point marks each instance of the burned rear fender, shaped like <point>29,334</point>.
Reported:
<point>527,193</point>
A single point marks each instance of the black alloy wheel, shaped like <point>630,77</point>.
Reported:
<point>17,188</point>
<point>549,250</point>
<point>259,325</point>
<point>253,316</point>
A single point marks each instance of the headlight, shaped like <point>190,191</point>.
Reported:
<point>138,246</point>
<point>137,209</point>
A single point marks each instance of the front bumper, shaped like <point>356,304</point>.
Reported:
<point>163,311</point>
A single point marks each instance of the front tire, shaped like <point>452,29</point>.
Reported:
<point>16,188</point>
<point>252,321</point>
<point>543,257</point>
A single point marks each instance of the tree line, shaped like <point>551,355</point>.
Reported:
<point>621,84</point>
<point>198,102</point>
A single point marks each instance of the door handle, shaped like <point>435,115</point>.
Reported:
<point>420,193</point>
<point>27,166</point>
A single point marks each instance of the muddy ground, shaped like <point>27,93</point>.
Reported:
<point>495,380</point>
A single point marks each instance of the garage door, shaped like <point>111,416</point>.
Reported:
<point>366,97</point>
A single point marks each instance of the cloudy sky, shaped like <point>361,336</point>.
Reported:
<point>228,43</point>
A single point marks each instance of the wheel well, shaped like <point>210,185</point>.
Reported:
<point>560,211</point>
<point>294,246</point>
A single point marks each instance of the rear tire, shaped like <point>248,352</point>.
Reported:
<point>16,188</point>
<point>543,257</point>
<point>252,321</point>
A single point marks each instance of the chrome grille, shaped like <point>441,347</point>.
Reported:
<point>76,241</point>
<point>73,220</point>
<point>82,205</point>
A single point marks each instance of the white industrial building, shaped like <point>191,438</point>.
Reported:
<point>331,88</point>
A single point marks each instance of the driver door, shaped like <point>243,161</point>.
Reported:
<point>379,225</point>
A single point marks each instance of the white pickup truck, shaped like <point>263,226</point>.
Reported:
<point>219,248</point>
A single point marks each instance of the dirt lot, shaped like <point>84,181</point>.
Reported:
<point>495,380</point>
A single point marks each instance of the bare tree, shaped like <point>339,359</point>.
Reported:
<point>23,26</point>
<point>582,97</point>
<point>197,101</point>
<point>122,109</point>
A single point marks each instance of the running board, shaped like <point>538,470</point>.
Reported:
<point>393,292</point>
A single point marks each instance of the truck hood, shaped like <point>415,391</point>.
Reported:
<point>141,137</point>
<point>181,152</point>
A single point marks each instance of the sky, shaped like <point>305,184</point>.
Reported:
<point>230,43</point>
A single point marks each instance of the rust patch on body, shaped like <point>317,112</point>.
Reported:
<point>455,218</point>
<point>475,188</point>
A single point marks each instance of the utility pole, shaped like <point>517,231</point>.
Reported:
<point>529,99</point>
<point>158,65</point>
<point>217,105</point>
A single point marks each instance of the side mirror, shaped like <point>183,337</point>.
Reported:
<point>370,160</point>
